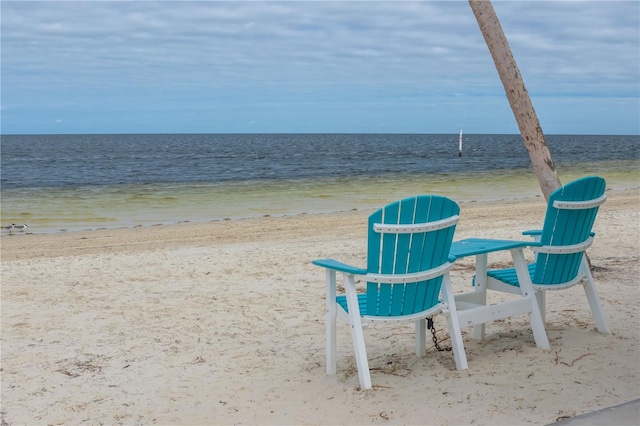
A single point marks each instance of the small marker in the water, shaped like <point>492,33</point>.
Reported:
<point>460,145</point>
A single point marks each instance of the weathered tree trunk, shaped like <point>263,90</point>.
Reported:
<point>518,96</point>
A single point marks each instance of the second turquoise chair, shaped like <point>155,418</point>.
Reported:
<point>560,247</point>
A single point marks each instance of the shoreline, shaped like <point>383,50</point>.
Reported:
<point>223,323</point>
<point>49,211</point>
<point>152,237</point>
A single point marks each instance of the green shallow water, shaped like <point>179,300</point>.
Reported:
<point>47,210</point>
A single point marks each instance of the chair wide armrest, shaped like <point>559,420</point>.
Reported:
<point>536,234</point>
<point>339,266</point>
<point>476,246</point>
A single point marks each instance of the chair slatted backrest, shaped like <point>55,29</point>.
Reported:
<point>567,225</point>
<point>403,253</point>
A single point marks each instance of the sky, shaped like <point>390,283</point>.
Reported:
<point>313,67</point>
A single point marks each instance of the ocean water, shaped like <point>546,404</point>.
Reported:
<point>59,183</point>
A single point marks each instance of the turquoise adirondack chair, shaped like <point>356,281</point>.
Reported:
<point>560,246</point>
<point>408,265</point>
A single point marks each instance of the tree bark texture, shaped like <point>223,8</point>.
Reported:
<point>518,96</point>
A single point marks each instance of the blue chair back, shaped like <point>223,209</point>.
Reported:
<point>410,252</point>
<point>567,226</point>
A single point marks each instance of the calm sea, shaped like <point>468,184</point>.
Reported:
<point>75,182</point>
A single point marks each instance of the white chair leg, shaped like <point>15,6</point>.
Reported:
<point>330,321</point>
<point>456,342</point>
<point>526,287</point>
<point>454,324</point>
<point>357,333</point>
<point>541,300</point>
<point>421,338</point>
<point>481,288</point>
<point>594,301</point>
<point>537,326</point>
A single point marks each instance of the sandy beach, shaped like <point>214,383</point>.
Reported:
<point>223,323</point>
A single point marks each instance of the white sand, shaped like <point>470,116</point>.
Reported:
<point>223,323</point>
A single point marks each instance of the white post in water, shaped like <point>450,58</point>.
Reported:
<point>460,145</point>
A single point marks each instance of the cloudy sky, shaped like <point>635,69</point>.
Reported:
<point>305,66</point>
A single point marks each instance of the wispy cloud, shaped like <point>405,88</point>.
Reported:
<point>242,53</point>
